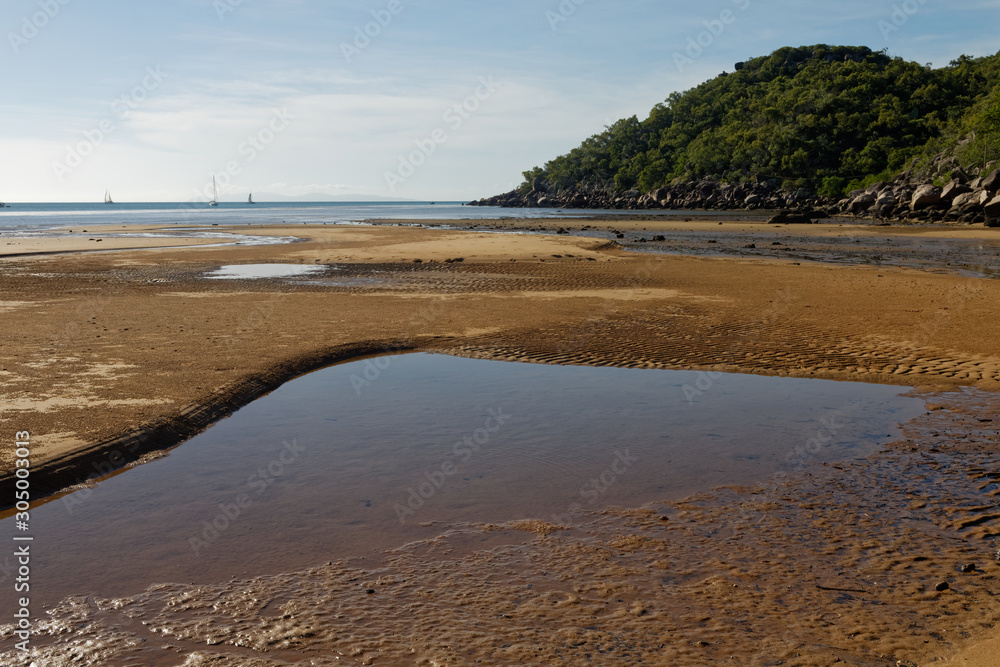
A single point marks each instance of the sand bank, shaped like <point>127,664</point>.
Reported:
<point>145,334</point>
<point>107,350</point>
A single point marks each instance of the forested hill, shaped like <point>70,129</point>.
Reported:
<point>824,119</point>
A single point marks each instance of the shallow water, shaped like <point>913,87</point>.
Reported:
<point>358,458</point>
<point>255,271</point>
<point>967,257</point>
<point>38,215</point>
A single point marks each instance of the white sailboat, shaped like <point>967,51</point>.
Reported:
<point>107,197</point>
<point>215,194</point>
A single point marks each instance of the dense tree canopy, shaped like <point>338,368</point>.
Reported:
<point>825,117</point>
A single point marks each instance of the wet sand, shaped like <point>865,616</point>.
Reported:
<point>137,343</point>
<point>104,238</point>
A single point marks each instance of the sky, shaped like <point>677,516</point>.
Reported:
<point>413,99</point>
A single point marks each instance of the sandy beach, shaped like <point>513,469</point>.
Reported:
<point>112,355</point>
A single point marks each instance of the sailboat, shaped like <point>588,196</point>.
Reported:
<point>107,197</point>
<point>250,198</point>
<point>215,194</point>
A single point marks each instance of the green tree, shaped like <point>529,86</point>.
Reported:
<point>821,115</point>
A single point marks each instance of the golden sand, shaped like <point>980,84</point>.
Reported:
<point>136,344</point>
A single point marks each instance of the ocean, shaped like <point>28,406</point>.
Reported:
<point>34,217</point>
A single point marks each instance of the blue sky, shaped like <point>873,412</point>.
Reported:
<point>444,100</point>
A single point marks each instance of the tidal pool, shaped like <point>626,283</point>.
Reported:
<point>352,460</point>
<point>257,271</point>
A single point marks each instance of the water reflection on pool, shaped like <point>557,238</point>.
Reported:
<point>257,271</point>
<point>361,457</point>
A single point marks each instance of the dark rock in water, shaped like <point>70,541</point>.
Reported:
<point>969,568</point>
<point>660,238</point>
<point>790,218</point>
<point>943,586</point>
<point>752,245</point>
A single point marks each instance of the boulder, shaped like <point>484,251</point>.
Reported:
<point>992,182</point>
<point>662,195</point>
<point>967,199</point>
<point>953,190</point>
<point>925,197</point>
<point>960,175</point>
<point>547,202</point>
<point>885,200</point>
<point>790,218</point>
<point>862,202</point>
<point>752,200</point>
<point>992,208</point>
<point>538,185</point>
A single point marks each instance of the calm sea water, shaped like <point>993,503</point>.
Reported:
<point>31,217</point>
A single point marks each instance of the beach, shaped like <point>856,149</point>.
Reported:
<point>121,353</point>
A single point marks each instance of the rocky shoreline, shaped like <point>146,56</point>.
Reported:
<point>969,197</point>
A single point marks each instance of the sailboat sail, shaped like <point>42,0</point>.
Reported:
<point>250,198</point>
<point>107,197</point>
<point>215,194</point>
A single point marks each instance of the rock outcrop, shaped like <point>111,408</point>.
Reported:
<point>971,195</point>
<point>702,194</point>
